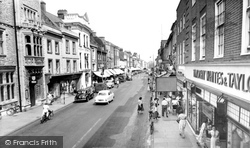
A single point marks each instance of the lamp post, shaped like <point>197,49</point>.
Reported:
<point>102,73</point>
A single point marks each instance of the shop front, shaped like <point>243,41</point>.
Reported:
<point>219,96</point>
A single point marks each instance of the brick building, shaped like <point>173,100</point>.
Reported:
<point>8,63</point>
<point>213,56</point>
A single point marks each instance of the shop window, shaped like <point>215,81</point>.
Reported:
<point>233,111</point>
<point>245,117</point>
<point>6,83</point>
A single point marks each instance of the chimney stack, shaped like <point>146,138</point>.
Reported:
<point>43,6</point>
<point>61,13</point>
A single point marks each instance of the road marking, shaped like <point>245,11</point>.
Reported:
<point>86,133</point>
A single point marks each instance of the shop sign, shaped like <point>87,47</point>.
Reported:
<point>33,79</point>
<point>233,80</point>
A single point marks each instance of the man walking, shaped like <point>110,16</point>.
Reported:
<point>164,106</point>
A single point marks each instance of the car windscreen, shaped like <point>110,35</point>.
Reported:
<point>101,94</point>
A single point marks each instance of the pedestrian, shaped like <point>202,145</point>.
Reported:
<point>182,123</point>
<point>140,105</point>
<point>168,99</point>
<point>179,109</point>
<point>117,82</point>
<point>201,139</point>
<point>156,112</point>
<point>175,103</point>
<point>214,137</point>
<point>49,98</point>
<point>164,106</point>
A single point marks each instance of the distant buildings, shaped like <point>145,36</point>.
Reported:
<point>51,53</point>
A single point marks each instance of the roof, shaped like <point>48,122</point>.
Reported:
<point>48,21</point>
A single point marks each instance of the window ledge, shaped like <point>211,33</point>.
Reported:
<point>202,59</point>
<point>245,53</point>
<point>3,55</point>
<point>218,57</point>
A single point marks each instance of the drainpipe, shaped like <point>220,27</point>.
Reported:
<point>17,56</point>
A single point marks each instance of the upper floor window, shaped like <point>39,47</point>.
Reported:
<point>193,41</point>
<point>181,25</point>
<point>1,42</point>
<point>219,29</point>
<point>87,41</point>
<point>29,14</point>
<point>80,54</point>
<point>67,47</point>
<point>84,40</point>
<point>68,65</point>
<point>74,66</point>
<point>57,48</point>
<point>57,66</point>
<point>49,46</point>
<point>74,47</point>
<point>245,28</point>
<point>50,66</point>
<point>183,21</point>
<point>203,36</point>
<point>33,46</point>
<point>80,40</point>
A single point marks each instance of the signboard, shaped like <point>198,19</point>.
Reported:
<point>166,84</point>
<point>33,79</point>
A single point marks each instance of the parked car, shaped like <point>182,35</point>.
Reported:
<point>104,96</point>
<point>110,84</point>
<point>100,86</point>
<point>84,94</point>
<point>122,79</point>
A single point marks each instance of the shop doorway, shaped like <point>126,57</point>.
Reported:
<point>32,94</point>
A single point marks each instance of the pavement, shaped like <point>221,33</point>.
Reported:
<point>166,133</point>
<point>9,124</point>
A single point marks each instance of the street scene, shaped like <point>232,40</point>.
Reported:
<point>124,74</point>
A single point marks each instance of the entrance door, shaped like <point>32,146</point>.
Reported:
<point>32,95</point>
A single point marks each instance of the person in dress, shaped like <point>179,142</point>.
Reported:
<point>182,123</point>
<point>214,137</point>
<point>202,135</point>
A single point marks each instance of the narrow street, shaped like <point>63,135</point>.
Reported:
<point>114,125</point>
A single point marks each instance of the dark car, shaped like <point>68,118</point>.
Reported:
<point>84,94</point>
<point>122,79</point>
<point>100,86</point>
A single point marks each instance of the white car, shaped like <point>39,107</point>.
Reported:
<point>110,83</point>
<point>104,96</point>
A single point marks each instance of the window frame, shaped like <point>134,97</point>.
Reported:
<point>67,47</point>
<point>219,48</point>
<point>49,46</point>
<point>245,35</point>
<point>57,48</point>
<point>194,38</point>
<point>74,48</point>
<point>50,70</point>
<point>2,41</point>
<point>58,68</point>
<point>68,66</point>
<point>203,37</point>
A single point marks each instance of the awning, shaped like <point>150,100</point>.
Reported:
<point>118,71</point>
<point>112,71</point>
<point>98,73</point>
<point>108,72</point>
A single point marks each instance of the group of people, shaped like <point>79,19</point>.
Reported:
<point>205,129</point>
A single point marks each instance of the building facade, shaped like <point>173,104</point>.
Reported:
<point>213,56</point>
<point>8,57</point>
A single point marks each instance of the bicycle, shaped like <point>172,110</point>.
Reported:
<point>12,110</point>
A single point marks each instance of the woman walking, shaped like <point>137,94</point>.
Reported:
<point>202,135</point>
<point>214,137</point>
<point>140,105</point>
<point>182,123</point>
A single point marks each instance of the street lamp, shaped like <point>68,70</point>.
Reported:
<point>102,73</point>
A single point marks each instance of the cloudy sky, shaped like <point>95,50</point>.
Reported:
<point>134,25</point>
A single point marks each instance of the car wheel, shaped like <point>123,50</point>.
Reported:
<point>87,99</point>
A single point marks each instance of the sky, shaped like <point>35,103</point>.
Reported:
<point>133,25</point>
